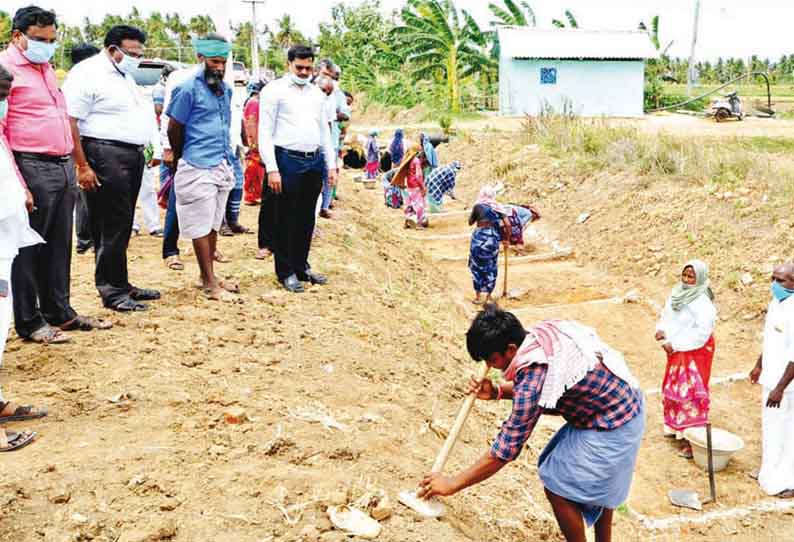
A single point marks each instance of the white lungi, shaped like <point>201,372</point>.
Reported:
<point>6,308</point>
<point>777,455</point>
<point>147,201</point>
<point>201,196</point>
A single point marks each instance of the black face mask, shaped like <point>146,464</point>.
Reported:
<point>214,79</point>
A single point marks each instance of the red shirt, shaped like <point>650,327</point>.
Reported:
<point>37,121</point>
<point>416,178</point>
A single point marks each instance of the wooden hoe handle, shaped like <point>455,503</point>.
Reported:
<point>460,421</point>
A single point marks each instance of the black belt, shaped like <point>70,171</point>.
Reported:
<point>42,157</point>
<point>114,143</point>
<point>299,155</point>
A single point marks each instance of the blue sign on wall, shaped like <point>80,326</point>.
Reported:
<point>548,76</point>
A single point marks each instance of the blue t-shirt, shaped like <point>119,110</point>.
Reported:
<point>207,120</point>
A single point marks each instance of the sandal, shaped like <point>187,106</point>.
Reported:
<point>230,286</point>
<point>11,440</point>
<point>220,258</point>
<point>787,494</point>
<point>221,295</point>
<point>86,323</point>
<point>129,305</point>
<point>174,263</point>
<point>49,335</point>
<point>22,413</point>
<point>263,254</point>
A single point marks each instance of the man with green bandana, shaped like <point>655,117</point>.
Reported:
<point>199,122</point>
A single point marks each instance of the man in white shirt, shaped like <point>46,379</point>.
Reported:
<point>340,112</point>
<point>111,122</point>
<point>295,142</point>
<point>15,233</point>
<point>774,370</point>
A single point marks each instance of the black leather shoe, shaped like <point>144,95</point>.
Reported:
<point>129,305</point>
<point>315,278</point>
<point>142,294</point>
<point>292,284</point>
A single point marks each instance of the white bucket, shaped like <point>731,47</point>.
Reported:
<point>723,444</point>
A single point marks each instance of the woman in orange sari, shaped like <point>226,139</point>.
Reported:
<point>686,331</point>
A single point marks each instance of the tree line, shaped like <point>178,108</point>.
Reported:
<point>428,52</point>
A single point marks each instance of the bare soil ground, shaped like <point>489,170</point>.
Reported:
<point>349,389</point>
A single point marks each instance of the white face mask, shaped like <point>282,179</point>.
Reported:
<point>300,81</point>
<point>128,64</point>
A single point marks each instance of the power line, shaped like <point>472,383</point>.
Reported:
<point>254,37</point>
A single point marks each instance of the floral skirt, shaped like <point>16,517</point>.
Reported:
<point>416,207</point>
<point>685,389</point>
<point>254,177</point>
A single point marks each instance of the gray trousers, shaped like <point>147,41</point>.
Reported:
<point>41,274</point>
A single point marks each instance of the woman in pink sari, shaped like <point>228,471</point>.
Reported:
<point>686,331</point>
<point>410,177</point>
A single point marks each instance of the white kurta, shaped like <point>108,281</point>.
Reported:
<point>689,328</point>
<point>777,459</point>
<point>15,233</point>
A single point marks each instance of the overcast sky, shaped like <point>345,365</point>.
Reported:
<point>728,27</point>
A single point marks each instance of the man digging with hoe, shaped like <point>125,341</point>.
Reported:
<point>560,368</point>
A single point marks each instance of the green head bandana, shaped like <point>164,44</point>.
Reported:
<point>212,48</point>
<point>682,296</point>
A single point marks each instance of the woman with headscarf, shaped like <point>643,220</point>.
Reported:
<point>410,177</point>
<point>397,147</point>
<point>686,331</point>
<point>487,214</point>
<point>373,155</point>
<point>431,157</point>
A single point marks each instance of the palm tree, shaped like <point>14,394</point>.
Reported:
<point>513,14</point>
<point>437,44</point>
<point>653,33</point>
<point>288,34</point>
<point>572,22</point>
<point>201,25</point>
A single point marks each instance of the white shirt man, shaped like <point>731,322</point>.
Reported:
<point>295,144</point>
<point>774,372</point>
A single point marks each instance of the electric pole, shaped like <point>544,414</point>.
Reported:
<point>254,37</point>
<point>691,71</point>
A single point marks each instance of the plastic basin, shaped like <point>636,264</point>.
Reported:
<point>723,444</point>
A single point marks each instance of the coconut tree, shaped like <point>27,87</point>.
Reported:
<point>513,13</point>
<point>440,43</point>
<point>201,25</point>
<point>572,22</point>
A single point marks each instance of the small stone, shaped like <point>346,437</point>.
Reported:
<point>235,416</point>
<point>61,497</point>
<point>583,218</point>
<point>79,518</point>
<point>747,279</point>
<point>154,532</point>
<point>309,533</point>
<point>383,510</point>
<point>333,536</point>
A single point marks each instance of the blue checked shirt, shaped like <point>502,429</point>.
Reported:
<point>600,401</point>
<point>441,181</point>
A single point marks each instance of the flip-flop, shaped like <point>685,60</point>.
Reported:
<point>11,440</point>
<point>787,494</point>
<point>220,258</point>
<point>222,295</point>
<point>86,323</point>
<point>230,286</point>
<point>22,413</point>
<point>174,263</point>
<point>263,254</point>
<point>49,335</point>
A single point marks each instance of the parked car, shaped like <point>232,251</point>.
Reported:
<point>241,74</point>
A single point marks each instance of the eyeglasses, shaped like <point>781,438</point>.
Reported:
<point>40,39</point>
<point>133,54</point>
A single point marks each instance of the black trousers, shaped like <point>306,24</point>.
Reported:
<point>41,274</point>
<point>294,212</point>
<point>83,224</point>
<point>111,209</point>
<point>266,214</point>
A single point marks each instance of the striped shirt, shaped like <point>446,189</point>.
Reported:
<point>600,401</point>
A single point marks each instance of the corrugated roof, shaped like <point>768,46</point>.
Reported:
<point>574,43</point>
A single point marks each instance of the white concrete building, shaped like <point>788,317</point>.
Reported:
<point>587,72</point>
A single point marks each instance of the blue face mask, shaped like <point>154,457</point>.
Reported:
<point>3,109</point>
<point>39,52</point>
<point>780,292</point>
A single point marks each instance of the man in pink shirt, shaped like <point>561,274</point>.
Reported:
<point>38,132</point>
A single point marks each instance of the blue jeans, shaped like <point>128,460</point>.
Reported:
<point>236,195</point>
<point>171,230</point>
